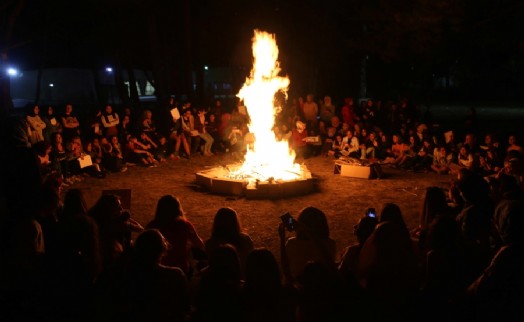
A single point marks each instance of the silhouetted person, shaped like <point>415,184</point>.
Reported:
<point>179,232</point>
<point>139,288</point>
<point>264,296</point>
<point>218,296</point>
<point>227,230</point>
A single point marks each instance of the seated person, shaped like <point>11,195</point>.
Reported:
<point>442,158</point>
<point>147,142</point>
<point>95,152</point>
<point>189,131</point>
<point>298,141</point>
<point>147,124</point>
<point>362,230</point>
<point>465,160</point>
<point>79,162</point>
<point>370,146</point>
<point>164,150</point>
<point>490,164</point>
<point>235,140</point>
<point>336,147</point>
<point>43,151</point>
<point>138,153</point>
<point>350,145</point>
<point>398,151</point>
<point>328,141</point>
<point>311,243</point>
<point>113,158</point>
<point>424,157</point>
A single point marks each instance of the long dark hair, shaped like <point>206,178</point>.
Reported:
<point>149,247</point>
<point>313,223</point>
<point>226,226</point>
<point>262,271</point>
<point>168,209</point>
<point>106,209</point>
<point>434,204</point>
<point>74,204</point>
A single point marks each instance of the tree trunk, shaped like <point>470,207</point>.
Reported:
<point>6,101</point>
<point>121,87</point>
<point>12,11</point>
<point>133,90</point>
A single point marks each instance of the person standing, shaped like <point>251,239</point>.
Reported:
<point>52,124</point>
<point>110,121</point>
<point>350,145</point>
<point>71,126</point>
<point>200,126</point>
<point>327,110</point>
<point>36,125</point>
<point>188,128</point>
<point>310,110</point>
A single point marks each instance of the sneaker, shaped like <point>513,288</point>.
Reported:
<point>124,169</point>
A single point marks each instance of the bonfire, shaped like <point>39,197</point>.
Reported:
<point>267,160</point>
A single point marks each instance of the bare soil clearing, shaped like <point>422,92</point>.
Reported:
<point>343,199</point>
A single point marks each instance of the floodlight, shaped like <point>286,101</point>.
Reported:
<point>12,71</point>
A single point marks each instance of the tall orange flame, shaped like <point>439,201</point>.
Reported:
<point>267,158</point>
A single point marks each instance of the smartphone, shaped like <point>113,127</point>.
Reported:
<point>371,213</point>
<point>288,221</point>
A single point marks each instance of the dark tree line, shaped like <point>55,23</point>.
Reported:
<point>475,47</point>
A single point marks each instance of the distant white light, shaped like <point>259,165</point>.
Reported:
<point>51,85</point>
<point>109,69</point>
<point>206,67</point>
<point>12,71</point>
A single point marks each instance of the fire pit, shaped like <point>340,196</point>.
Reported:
<point>225,180</point>
<point>269,169</point>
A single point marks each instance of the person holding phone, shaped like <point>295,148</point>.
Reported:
<point>362,230</point>
<point>311,242</point>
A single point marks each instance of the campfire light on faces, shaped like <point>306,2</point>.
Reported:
<point>267,161</point>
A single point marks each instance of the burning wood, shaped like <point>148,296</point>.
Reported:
<point>267,160</point>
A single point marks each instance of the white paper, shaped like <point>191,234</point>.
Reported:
<point>85,161</point>
<point>175,114</point>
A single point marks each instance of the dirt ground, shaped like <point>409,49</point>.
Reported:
<point>343,199</point>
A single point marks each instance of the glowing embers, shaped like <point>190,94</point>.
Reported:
<point>228,181</point>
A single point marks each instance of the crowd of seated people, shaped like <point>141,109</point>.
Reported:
<point>63,261</point>
<point>394,134</point>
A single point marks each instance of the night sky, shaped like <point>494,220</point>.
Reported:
<point>453,49</point>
